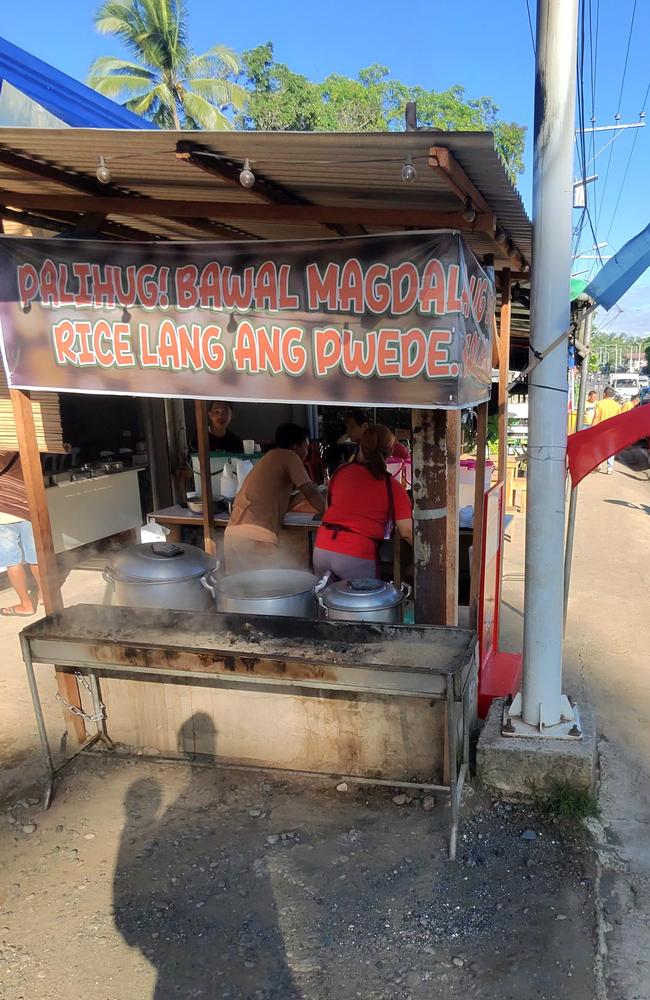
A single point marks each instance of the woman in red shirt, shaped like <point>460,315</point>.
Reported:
<point>363,498</point>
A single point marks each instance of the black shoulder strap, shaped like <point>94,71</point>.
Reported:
<point>10,464</point>
<point>391,501</point>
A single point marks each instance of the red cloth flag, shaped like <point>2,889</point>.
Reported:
<point>586,449</point>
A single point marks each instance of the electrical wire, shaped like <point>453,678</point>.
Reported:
<point>530,25</point>
<point>627,165</point>
<point>618,110</point>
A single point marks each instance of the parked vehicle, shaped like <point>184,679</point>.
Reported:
<point>625,385</point>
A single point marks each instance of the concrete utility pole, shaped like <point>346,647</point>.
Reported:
<point>542,704</point>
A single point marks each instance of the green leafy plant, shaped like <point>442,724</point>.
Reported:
<point>565,800</point>
<point>278,99</point>
<point>165,80</point>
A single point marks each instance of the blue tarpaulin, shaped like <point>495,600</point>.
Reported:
<point>67,100</point>
<point>620,273</point>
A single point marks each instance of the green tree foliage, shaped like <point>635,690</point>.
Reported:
<point>165,80</point>
<point>277,99</point>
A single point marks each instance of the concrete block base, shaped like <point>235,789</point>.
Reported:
<point>526,767</point>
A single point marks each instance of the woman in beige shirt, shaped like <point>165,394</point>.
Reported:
<point>252,538</point>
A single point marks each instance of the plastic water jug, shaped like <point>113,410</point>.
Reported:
<point>243,466</point>
<point>228,482</point>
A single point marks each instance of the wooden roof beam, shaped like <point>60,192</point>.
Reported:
<point>92,186</point>
<point>363,215</point>
<point>263,190</point>
<point>59,222</point>
<point>445,165</point>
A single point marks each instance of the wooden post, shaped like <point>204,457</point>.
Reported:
<point>479,493</point>
<point>504,365</point>
<point>30,461</point>
<point>201,411</point>
<point>436,454</point>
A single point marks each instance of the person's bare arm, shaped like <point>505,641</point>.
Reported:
<point>313,496</point>
<point>405,530</point>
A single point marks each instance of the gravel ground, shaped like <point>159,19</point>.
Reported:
<point>163,880</point>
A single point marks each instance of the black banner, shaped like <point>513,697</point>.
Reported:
<point>399,320</point>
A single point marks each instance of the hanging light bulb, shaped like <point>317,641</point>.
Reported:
<point>499,236</point>
<point>246,176</point>
<point>408,172</point>
<point>468,212</point>
<point>103,171</point>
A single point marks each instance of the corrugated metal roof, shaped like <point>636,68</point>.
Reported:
<point>337,169</point>
<point>324,169</point>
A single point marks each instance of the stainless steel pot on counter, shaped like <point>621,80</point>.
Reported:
<point>363,600</point>
<point>288,592</point>
<point>160,575</point>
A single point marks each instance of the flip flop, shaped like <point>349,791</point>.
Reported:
<point>12,613</point>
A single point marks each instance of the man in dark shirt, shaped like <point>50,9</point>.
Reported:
<point>220,437</point>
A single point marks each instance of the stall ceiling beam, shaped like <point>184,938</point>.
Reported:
<point>178,209</point>
<point>264,190</point>
<point>59,222</point>
<point>446,166</point>
<point>90,186</point>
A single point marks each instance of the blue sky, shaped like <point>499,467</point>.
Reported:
<point>485,47</point>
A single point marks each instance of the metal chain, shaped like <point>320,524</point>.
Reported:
<point>101,715</point>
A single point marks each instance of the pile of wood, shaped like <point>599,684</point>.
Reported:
<point>47,420</point>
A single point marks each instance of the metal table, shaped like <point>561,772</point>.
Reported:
<point>438,664</point>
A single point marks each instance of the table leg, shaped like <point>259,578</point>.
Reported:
<point>40,721</point>
<point>452,742</point>
<point>99,712</point>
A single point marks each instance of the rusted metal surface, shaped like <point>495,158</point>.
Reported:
<point>402,660</point>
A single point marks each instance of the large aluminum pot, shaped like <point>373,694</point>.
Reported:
<point>288,592</point>
<point>160,575</point>
<point>363,601</point>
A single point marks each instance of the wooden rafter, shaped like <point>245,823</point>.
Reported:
<point>446,166</point>
<point>59,222</point>
<point>180,209</point>
<point>264,190</point>
<point>92,186</point>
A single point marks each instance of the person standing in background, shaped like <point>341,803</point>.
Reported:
<point>17,548</point>
<point>220,437</point>
<point>357,423</point>
<point>630,404</point>
<point>606,408</point>
<point>590,408</point>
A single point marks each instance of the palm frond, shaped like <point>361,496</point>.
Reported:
<point>220,92</point>
<point>204,113</point>
<point>217,61</point>
<point>119,87</point>
<point>105,65</point>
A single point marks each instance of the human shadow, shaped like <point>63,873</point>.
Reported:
<point>190,893</point>
<point>632,506</point>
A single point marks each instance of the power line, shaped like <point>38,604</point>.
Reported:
<point>618,110</point>
<point>627,56</point>
<point>629,161</point>
<point>530,25</point>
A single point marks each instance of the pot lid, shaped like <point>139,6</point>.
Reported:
<point>361,595</point>
<point>258,584</point>
<point>160,562</point>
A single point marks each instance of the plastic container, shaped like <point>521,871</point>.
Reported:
<point>468,477</point>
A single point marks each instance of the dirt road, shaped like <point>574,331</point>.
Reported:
<point>607,663</point>
<point>148,880</point>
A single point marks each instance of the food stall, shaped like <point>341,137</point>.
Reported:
<point>398,319</point>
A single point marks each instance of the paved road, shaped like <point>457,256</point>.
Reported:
<point>607,663</point>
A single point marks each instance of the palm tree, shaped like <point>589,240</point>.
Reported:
<point>166,81</point>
